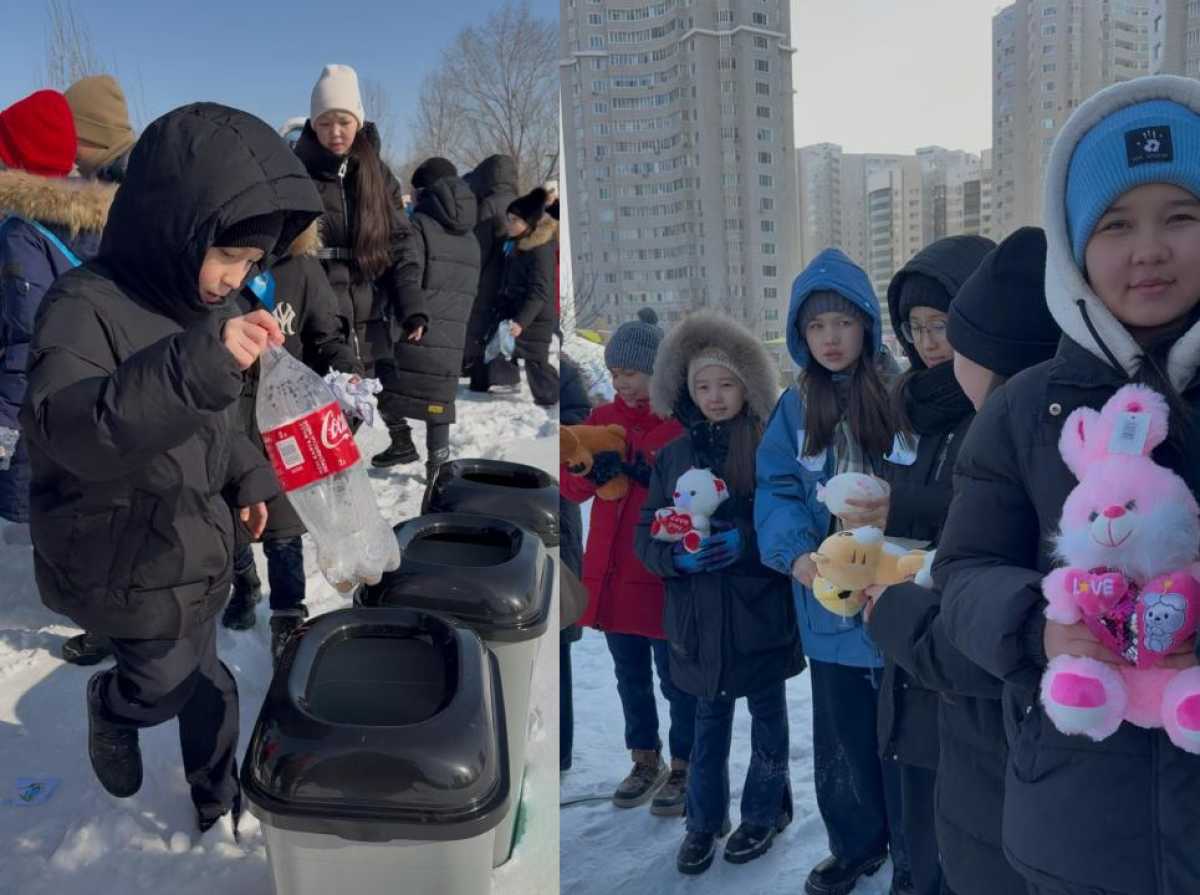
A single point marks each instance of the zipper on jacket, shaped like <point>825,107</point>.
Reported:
<point>937,472</point>
<point>342,186</point>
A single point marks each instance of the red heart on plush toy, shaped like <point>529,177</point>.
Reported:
<point>1165,613</point>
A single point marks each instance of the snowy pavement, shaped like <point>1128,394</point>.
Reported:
<point>612,850</point>
<point>81,841</point>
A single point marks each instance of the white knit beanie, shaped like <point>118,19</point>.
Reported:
<point>337,88</point>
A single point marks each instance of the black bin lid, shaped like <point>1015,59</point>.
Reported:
<point>514,491</point>
<point>381,724</point>
<point>489,574</point>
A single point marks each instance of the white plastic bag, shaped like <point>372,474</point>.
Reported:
<point>501,342</point>
<point>8,446</point>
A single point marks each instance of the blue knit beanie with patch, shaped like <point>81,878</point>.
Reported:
<point>1157,141</point>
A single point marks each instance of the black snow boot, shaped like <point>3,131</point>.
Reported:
<point>86,649</point>
<point>696,853</point>
<point>833,876</point>
<point>283,623</point>
<point>206,822</point>
<point>113,748</point>
<point>400,451</point>
<point>247,593</point>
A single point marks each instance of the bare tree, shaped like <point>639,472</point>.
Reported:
<point>70,54</point>
<point>438,124</point>
<point>377,104</point>
<point>503,79</point>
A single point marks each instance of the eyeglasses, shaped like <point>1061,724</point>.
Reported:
<point>936,330</point>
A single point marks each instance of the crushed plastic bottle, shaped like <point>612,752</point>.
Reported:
<point>312,449</point>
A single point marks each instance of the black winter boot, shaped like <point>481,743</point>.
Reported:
<point>113,748</point>
<point>400,451</point>
<point>833,876</point>
<point>283,623</point>
<point>206,822</point>
<point>86,649</point>
<point>247,593</point>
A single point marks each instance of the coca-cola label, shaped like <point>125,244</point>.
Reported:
<point>311,448</point>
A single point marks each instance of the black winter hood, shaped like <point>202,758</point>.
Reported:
<point>193,173</point>
<point>451,203</point>
<point>494,174</point>
<point>949,261</point>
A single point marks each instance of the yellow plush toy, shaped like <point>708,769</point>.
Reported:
<point>852,560</point>
<point>577,447</point>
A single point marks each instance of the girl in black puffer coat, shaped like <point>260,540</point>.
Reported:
<point>730,620</point>
<point>527,290</point>
<point>367,249</point>
<point>421,379</point>
<point>936,413</point>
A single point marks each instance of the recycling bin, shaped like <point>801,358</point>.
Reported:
<point>378,764</point>
<point>495,577</point>
<point>522,494</point>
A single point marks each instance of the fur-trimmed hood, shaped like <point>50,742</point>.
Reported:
<point>708,329</point>
<point>74,204</point>
<point>308,242</point>
<point>1069,297</point>
<point>546,231</point>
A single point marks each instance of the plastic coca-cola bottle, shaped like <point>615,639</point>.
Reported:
<point>312,449</point>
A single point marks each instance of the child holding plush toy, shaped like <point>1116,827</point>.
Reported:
<point>837,419</point>
<point>730,620</point>
<point>626,600</point>
<point>1095,812</point>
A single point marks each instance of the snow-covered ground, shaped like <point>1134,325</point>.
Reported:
<point>611,850</point>
<point>82,841</point>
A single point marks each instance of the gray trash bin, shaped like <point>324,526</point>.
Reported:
<point>522,494</point>
<point>495,577</point>
<point>378,764</point>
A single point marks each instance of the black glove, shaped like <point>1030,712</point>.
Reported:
<point>606,466</point>
<point>639,470</point>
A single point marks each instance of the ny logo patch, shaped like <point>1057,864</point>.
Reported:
<point>1149,144</point>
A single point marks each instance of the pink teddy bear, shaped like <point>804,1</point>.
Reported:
<point>1130,536</point>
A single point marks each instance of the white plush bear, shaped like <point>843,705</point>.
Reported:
<point>841,488</point>
<point>697,495</point>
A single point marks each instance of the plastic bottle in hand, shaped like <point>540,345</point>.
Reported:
<point>312,449</point>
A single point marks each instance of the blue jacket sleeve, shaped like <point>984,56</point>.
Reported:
<point>784,516</point>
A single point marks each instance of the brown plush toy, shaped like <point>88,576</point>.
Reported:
<point>577,445</point>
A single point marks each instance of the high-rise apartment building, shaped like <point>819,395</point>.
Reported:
<point>680,159</point>
<point>1175,37</point>
<point>1047,57</point>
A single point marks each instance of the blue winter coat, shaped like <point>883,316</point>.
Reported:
<point>788,518</point>
<point>74,211</point>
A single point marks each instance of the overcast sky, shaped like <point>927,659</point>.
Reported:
<point>892,75</point>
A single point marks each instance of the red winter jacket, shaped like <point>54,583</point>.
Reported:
<point>623,597</point>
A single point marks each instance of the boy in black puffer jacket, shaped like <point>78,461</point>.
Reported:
<point>135,371</point>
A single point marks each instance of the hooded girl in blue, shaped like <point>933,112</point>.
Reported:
<point>835,419</point>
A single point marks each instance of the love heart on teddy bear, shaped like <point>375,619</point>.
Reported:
<point>1129,536</point>
<point>697,495</point>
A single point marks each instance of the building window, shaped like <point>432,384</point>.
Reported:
<point>1047,86</point>
<point>762,65</point>
<point>724,16</point>
<point>766,180</point>
<point>771,292</point>
<point>764,158</point>
<point>596,42</point>
<point>1048,30</point>
<point>759,18</point>
<point>762,89</point>
<point>604,193</point>
<point>1048,123</point>
<point>768,248</point>
<point>600,108</point>
<point>767,226</point>
<point>768,271</point>
<point>766,203</point>
<point>594,18</point>
<point>766,135</point>
<point>763,111</point>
